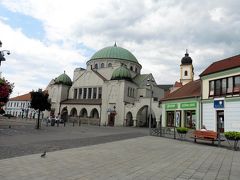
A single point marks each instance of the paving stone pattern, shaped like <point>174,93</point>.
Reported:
<point>133,159</point>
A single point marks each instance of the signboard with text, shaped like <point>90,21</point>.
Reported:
<point>188,105</point>
<point>171,106</point>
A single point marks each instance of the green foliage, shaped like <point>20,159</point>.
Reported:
<point>39,101</point>
<point>182,130</point>
<point>6,89</point>
<point>232,135</point>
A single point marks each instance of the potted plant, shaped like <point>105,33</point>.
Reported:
<point>232,136</point>
<point>182,131</point>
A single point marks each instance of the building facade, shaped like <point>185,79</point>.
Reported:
<point>19,106</point>
<point>221,95</point>
<point>182,108</point>
<point>110,91</point>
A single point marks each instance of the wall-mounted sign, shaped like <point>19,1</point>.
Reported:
<point>218,104</point>
<point>187,105</point>
<point>171,106</point>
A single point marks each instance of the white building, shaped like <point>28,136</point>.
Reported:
<point>110,91</point>
<point>19,106</point>
<point>221,95</point>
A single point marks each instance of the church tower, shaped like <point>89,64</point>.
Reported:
<point>186,69</point>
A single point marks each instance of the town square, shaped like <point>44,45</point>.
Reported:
<point>119,90</point>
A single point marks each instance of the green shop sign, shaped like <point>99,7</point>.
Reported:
<point>171,106</point>
<point>187,105</point>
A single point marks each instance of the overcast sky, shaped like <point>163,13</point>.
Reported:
<point>47,37</point>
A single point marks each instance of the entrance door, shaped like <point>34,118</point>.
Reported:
<point>220,121</point>
<point>111,119</point>
<point>170,118</point>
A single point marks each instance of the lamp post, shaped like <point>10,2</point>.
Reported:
<point>150,106</point>
<point>2,53</point>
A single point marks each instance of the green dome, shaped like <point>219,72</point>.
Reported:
<point>63,79</point>
<point>114,52</point>
<point>121,73</point>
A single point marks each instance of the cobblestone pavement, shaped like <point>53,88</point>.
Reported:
<point>141,158</point>
<point>22,139</point>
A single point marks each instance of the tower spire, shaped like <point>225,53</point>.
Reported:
<point>115,44</point>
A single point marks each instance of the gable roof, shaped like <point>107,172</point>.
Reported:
<point>165,87</point>
<point>24,97</point>
<point>99,75</point>
<point>225,64</point>
<point>140,78</point>
<point>191,89</point>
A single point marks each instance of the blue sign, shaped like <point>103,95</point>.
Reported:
<point>218,104</point>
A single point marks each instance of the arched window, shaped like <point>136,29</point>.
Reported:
<point>96,66</point>
<point>102,65</point>
<point>136,70</point>
<point>109,64</point>
<point>185,73</point>
<point>131,68</point>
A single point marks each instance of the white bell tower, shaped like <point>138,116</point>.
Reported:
<point>186,69</point>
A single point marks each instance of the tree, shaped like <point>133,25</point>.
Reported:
<point>5,90</point>
<point>40,102</point>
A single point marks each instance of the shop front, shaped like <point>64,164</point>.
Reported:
<point>182,114</point>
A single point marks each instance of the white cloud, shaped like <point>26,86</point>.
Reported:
<point>32,64</point>
<point>156,32</point>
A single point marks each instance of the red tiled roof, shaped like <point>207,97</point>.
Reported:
<point>178,84</point>
<point>24,97</point>
<point>225,64</point>
<point>191,89</point>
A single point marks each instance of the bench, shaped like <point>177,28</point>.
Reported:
<point>205,135</point>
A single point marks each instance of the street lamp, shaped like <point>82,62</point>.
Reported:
<point>150,81</point>
<point>2,53</point>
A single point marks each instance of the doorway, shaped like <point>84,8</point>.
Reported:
<point>220,121</point>
<point>170,118</point>
<point>111,119</point>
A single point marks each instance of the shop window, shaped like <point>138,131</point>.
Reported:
<point>236,88</point>
<point>190,119</point>
<point>102,65</point>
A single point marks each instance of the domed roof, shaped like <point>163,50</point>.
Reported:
<point>121,73</point>
<point>114,52</point>
<point>186,59</point>
<point>63,79</point>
